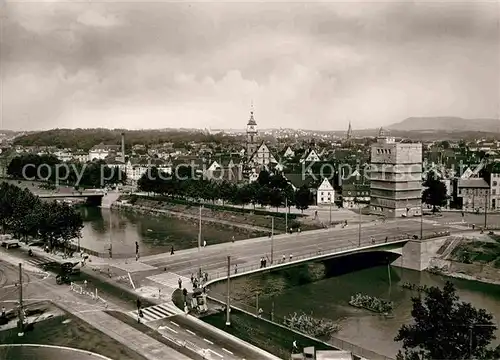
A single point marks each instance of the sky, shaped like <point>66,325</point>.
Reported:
<point>309,65</point>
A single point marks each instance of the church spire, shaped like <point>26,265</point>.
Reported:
<point>252,120</point>
<point>349,131</point>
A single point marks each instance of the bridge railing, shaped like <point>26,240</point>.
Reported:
<point>319,253</point>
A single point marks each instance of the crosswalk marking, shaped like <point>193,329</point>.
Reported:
<point>171,280</point>
<point>37,261</point>
<point>155,312</point>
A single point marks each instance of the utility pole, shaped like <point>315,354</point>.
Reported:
<point>110,236</point>
<point>272,240</point>
<point>199,243</point>
<point>199,230</point>
<point>21,310</point>
<point>286,214</point>
<point>330,223</point>
<point>486,203</point>
<point>228,308</point>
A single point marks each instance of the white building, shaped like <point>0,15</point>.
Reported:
<point>262,156</point>
<point>312,156</point>
<point>101,151</point>
<point>289,153</point>
<point>326,193</point>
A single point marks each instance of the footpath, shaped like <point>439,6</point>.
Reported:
<point>86,310</point>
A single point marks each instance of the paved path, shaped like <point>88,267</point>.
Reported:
<point>187,332</point>
<point>93,313</point>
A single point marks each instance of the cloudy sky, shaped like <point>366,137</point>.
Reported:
<point>306,65</point>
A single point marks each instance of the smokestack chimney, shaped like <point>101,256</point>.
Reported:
<point>123,147</point>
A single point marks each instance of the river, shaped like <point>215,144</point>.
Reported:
<point>155,234</point>
<point>326,297</point>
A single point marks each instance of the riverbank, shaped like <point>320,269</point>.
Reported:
<point>474,258</point>
<point>248,219</point>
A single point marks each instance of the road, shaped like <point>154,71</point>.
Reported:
<point>173,326</point>
<point>247,254</point>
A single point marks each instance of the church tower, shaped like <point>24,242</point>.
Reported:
<point>251,135</point>
<point>349,133</point>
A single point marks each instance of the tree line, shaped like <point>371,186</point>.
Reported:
<point>85,139</point>
<point>49,168</point>
<point>268,190</point>
<point>25,215</point>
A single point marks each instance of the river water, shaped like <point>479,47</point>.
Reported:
<point>155,234</point>
<point>326,297</point>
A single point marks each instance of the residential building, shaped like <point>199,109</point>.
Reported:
<point>355,192</point>
<point>81,156</point>
<point>326,193</point>
<point>311,156</point>
<point>262,157</point>
<point>395,177</point>
<point>289,153</point>
<point>491,174</point>
<point>101,151</point>
<point>473,194</point>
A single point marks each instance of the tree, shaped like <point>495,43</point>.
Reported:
<point>276,198</point>
<point>446,328</point>
<point>60,224</point>
<point>435,192</point>
<point>264,178</point>
<point>303,198</point>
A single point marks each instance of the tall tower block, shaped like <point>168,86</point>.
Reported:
<point>396,177</point>
<point>251,135</point>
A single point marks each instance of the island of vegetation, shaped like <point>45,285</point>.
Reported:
<point>309,325</point>
<point>371,303</point>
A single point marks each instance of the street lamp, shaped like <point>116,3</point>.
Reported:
<point>272,239</point>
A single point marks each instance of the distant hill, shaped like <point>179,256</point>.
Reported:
<point>450,124</point>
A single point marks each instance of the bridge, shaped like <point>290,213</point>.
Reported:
<point>91,198</point>
<point>161,272</point>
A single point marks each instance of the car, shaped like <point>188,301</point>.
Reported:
<point>70,268</point>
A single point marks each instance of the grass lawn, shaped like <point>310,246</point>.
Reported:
<point>69,331</point>
<point>484,252</point>
<point>258,332</point>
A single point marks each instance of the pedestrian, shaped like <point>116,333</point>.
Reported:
<point>291,257</point>
<point>473,226</point>
<point>261,263</point>
<point>136,256</point>
<point>206,277</point>
<point>136,248</point>
<point>236,268</point>
<point>180,283</point>
<point>260,312</point>
<point>85,283</point>
<point>172,250</point>
<point>295,346</point>
<point>192,278</point>
<point>283,259</point>
<point>3,311</point>
<point>386,238</point>
<point>298,229</point>
<point>232,239</point>
<point>373,240</point>
<point>138,303</point>
<point>265,262</point>
<point>204,243</point>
